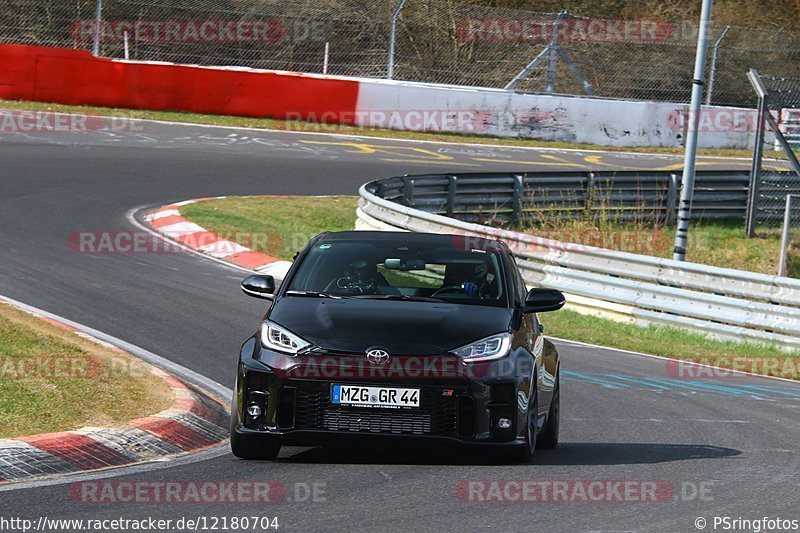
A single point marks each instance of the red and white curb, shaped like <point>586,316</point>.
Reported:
<point>195,421</point>
<point>170,224</point>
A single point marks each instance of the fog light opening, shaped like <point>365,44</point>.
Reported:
<point>504,423</point>
<point>254,410</point>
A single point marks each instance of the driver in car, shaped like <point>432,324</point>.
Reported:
<point>469,277</point>
<point>362,277</point>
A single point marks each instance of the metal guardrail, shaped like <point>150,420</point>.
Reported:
<point>720,302</point>
<point>532,196</point>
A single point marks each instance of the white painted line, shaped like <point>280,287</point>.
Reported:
<point>223,248</point>
<point>665,358</point>
<point>180,229</point>
<point>162,213</point>
<point>131,217</point>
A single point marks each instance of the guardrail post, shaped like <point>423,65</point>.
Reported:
<point>516,200</point>
<point>408,192</point>
<point>672,198</point>
<point>588,200</point>
<point>787,223</point>
<point>451,194</point>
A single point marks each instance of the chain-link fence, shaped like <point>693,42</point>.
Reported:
<point>438,41</point>
<point>769,188</point>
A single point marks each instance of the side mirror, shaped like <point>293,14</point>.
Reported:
<point>259,286</point>
<point>542,300</point>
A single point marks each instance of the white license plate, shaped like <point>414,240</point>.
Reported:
<point>360,396</point>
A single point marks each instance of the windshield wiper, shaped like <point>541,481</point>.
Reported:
<point>312,294</point>
<point>400,297</point>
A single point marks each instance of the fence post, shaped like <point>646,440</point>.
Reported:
<point>393,38</point>
<point>550,83</point>
<point>758,152</point>
<point>712,75</point>
<point>98,20</point>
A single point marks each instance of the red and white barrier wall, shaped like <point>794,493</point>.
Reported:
<point>69,76</point>
<point>76,77</point>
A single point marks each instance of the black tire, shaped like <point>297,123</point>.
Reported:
<point>251,446</point>
<point>254,446</point>
<point>525,452</point>
<point>548,438</point>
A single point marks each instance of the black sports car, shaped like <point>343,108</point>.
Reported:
<point>398,336</point>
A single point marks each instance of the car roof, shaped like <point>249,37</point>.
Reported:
<point>414,238</point>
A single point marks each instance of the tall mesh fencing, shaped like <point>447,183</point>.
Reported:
<point>438,41</point>
<point>783,101</point>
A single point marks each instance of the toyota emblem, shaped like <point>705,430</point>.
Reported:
<point>377,356</point>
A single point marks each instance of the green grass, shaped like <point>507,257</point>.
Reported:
<point>719,243</point>
<point>295,219</point>
<point>275,124</point>
<point>52,380</point>
<point>278,226</point>
<point>657,340</point>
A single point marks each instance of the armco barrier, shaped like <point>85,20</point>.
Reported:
<point>69,76</point>
<point>651,195</point>
<point>719,302</point>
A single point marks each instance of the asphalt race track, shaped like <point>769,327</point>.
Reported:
<point>726,446</point>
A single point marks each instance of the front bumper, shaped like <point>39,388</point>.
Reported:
<point>455,408</point>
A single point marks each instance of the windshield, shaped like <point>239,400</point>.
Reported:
<point>388,271</point>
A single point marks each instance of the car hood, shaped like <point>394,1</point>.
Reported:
<point>403,327</point>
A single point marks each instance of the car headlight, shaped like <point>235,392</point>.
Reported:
<point>487,349</point>
<point>281,339</point>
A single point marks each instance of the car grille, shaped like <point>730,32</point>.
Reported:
<point>437,414</point>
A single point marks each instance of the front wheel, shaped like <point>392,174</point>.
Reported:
<point>525,452</point>
<point>549,436</point>
<point>254,446</point>
<point>250,446</point>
